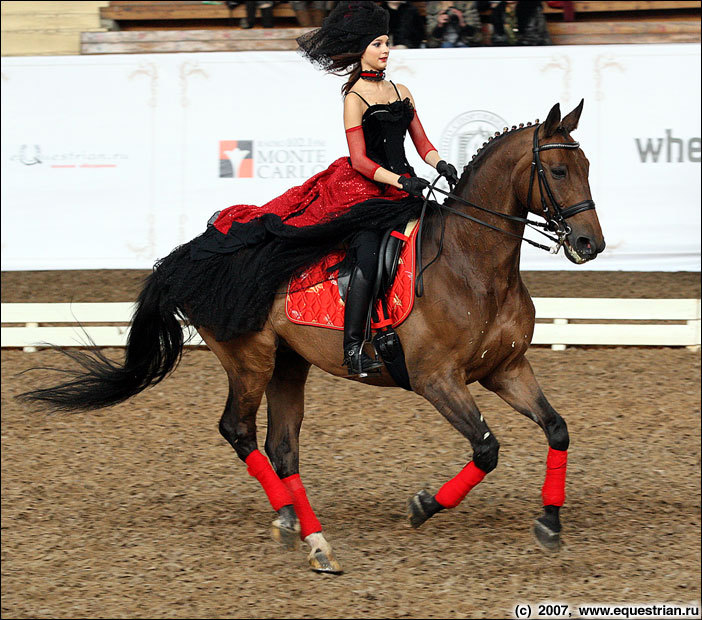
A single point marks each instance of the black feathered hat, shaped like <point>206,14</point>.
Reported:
<point>348,29</point>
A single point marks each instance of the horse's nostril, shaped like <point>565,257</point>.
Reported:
<point>584,246</point>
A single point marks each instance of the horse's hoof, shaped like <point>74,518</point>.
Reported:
<point>546,538</point>
<point>324,562</point>
<point>421,507</point>
<point>321,557</point>
<point>288,537</point>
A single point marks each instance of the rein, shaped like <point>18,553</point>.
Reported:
<point>554,215</point>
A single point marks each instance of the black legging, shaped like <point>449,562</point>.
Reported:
<point>367,244</point>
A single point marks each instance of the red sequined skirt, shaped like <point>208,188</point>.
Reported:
<point>323,197</point>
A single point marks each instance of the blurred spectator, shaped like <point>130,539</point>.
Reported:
<point>453,24</point>
<point>310,14</point>
<point>531,24</point>
<point>266,8</point>
<point>406,24</point>
<point>516,23</point>
<point>503,23</point>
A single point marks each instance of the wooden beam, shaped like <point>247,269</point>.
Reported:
<point>625,27</point>
<point>182,10</point>
<point>255,34</point>
<point>622,5</point>
<point>161,41</point>
<point>623,39</point>
<point>156,47</point>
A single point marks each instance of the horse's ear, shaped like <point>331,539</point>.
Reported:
<point>552,121</point>
<point>570,122</point>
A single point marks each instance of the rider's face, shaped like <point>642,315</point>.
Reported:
<point>376,55</point>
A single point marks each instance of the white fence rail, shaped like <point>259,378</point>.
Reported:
<point>658,322</point>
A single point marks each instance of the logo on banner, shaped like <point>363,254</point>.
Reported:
<point>236,159</point>
<point>465,134</point>
<point>286,158</point>
<point>34,154</point>
<point>29,155</point>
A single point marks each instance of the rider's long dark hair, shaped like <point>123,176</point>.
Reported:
<point>226,283</point>
<point>353,71</point>
<point>347,31</point>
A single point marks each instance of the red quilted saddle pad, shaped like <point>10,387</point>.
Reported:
<point>313,296</point>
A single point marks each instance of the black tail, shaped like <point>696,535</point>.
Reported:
<point>154,348</point>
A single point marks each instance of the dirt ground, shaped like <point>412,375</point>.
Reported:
<point>144,511</point>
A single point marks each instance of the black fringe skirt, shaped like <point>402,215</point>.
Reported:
<point>228,282</point>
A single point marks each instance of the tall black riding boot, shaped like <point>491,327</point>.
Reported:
<point>356,313</point>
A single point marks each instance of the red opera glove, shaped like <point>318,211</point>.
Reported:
<point>360,162</point>
<point>419,138</point>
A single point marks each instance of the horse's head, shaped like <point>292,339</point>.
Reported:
<point>552,181</point>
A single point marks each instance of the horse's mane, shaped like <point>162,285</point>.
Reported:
<point>488,146</point>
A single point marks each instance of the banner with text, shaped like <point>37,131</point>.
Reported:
<point>112,161</point>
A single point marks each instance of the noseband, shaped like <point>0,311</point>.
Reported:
<point>554,215</point>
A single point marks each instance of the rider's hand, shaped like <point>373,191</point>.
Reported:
<point>413,185</point>
<point>447,171</point>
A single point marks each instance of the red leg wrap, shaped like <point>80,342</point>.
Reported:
<point>309,524</point>
<point>553,491</point>
<point>455,490</point>
<point>260,468</point>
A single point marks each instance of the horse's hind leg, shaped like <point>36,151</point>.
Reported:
<point>515,384</point>
<point>249,362</point>
<point>285,395</point>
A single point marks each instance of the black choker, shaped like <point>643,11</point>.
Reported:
<point>373,76</point>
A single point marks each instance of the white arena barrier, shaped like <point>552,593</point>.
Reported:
<point>601,322</point>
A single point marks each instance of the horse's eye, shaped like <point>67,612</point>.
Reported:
<point>558,172</point>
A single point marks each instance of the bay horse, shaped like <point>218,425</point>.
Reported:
<point>474,285</point>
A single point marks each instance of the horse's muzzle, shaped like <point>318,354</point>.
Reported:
<point>580,249</point>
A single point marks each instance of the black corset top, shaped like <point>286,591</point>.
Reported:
<point>384,128</point>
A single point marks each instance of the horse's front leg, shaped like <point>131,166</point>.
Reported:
<point>515,384</point>
<point>450,395</point>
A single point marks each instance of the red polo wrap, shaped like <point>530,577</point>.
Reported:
<point>260,468</point>
<point>553,491</point>
<point>455,490</point>
<point>309,524</point>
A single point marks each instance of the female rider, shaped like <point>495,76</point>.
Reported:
<point>377,113</point>
<point>354,201</point>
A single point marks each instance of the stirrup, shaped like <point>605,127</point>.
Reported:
<point>359,363</point>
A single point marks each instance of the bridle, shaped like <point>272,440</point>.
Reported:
<point>555,217</point>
